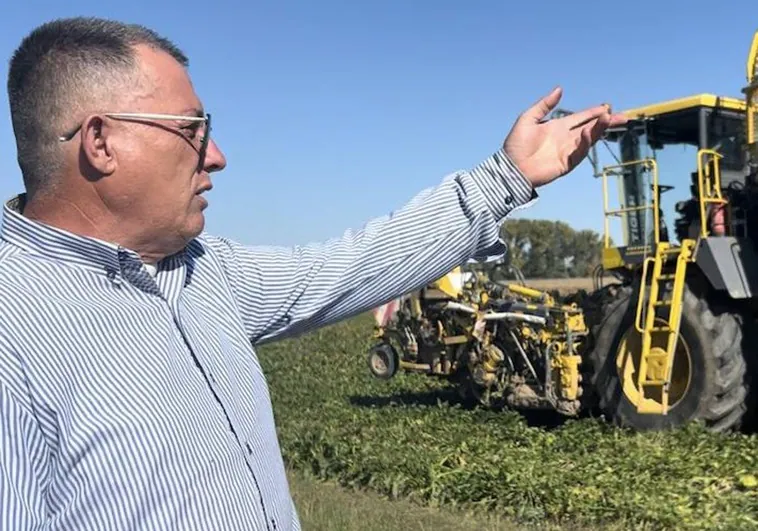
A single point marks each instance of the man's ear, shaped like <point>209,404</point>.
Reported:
<point>97,145</point>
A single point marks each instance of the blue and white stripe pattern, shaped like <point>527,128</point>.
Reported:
<point>133,400</point>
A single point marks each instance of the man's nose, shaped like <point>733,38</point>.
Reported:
<point>214,158</point>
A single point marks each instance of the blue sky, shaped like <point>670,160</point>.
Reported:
<point>331,113</point>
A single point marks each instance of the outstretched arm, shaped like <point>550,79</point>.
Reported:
<point>285,291</point>
<point>282,292</point>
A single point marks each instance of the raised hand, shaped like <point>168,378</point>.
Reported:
<point>547,150</point>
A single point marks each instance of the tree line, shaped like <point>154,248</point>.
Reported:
<point>551,249</point>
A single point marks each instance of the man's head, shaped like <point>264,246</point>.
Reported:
<point>75,86</point>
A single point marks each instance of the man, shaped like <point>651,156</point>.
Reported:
<point>130,394</point>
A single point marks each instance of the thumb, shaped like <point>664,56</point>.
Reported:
<point>540,110</point>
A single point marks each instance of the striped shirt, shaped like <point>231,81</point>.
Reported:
<point>133,399</point>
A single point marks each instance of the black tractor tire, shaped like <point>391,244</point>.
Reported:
<point>718,389</point>
<point>383,361</point>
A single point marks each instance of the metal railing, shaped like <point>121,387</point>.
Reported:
<point>618,170</point>
<point>709,185</point>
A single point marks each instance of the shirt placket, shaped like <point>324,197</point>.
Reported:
<point>197,336</point>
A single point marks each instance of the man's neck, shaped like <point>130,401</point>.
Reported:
<point>89,221</point>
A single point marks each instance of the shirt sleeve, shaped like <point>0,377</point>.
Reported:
<point>21,465</point>
<point>282,292</point>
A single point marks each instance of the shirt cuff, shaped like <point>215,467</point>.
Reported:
<point>503,185</point>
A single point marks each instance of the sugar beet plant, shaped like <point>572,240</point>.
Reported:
<point>412,437</point>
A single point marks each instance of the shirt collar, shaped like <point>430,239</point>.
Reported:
<point>57,244</point>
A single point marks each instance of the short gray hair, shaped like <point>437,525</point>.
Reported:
<point>56,71</point>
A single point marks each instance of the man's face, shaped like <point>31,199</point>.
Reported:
<point>156,184</point>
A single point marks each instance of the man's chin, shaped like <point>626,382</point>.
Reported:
<point>197,224</point>
<point>194,224</point>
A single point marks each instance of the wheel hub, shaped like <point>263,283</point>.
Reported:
<point>378,363</point>
<point>628,362</point>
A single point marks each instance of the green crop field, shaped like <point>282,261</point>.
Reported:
<point>411,438</point>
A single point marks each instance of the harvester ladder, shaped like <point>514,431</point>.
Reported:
<point>656,363</point>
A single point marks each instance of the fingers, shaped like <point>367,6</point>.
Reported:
<point>618,119</point>
<point>597,129</point>
<point>615,120</point>
<point>587,136</point>
<point>592,132</point>
<point>594,128</point>
<point>581,118</point>
<point>540,110</point>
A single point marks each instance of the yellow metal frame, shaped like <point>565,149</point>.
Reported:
<point>688,102</point>
<point>451,283</point>
<point>751,68</point>
<point>751,96</point>
<point>648,164</point>
<point>709,186</point>
<point>530,293</point>
<point>656,364</point>
<point>750,121</point>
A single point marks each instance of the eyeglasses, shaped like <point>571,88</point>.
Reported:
<point>148,116</point>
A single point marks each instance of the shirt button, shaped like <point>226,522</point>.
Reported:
<point>249,448</point>
<point>211,377</point>
<point>112,273</point>
<point>509,200</point>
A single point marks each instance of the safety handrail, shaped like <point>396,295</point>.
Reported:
<point>709,186</point>
<point>647,164</point>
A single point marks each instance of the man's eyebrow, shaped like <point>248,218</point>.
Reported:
<point>193,111</point>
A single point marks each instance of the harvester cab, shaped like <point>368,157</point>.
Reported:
<point>669,346</point>
<point>715,127</point>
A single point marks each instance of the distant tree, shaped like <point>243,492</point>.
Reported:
<point>551,249</point>
<point>586,250</point>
